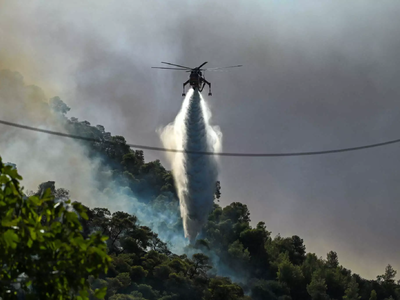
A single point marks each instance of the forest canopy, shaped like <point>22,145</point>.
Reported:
<point>52,248</point>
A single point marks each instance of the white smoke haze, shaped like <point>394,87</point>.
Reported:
<point>302,87</point>
<point>40,158</point>
<point>195,174</point>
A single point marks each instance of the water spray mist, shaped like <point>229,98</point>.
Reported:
<point>195,174</point>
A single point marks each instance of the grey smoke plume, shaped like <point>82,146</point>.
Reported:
<point>195,175</point>
<point>41,158</point>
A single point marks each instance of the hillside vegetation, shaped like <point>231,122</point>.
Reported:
<point>54,249</point>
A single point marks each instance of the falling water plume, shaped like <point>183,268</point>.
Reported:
<point>195,175</point>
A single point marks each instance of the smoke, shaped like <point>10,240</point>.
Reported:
<point>195,174</point>
<point>302,87</point>
<point>40,158</point>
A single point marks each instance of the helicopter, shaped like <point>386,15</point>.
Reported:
<point>196,78</point>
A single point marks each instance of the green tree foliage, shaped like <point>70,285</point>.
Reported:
<point>317,287</point>
<point>351,292</point>
<point>388,277</point>
<point>57,105</point>
<point>43,250</point>
<point>270,289</point>
<point>222,288</point>
<point>298,253</point>
<point>144,268</point>
<point>337,280</point>
<point>146,180</point>
<point>200,266</point>
<point>332,260</point>
<point>287,272</point>
<point>291,275</point>
<point>373,295</point>
<point>236,212</point>
<point>293,246</point>
<point>311,264</point>
<point>217,194</point>
<point>238,253</point>
<point>268,268</point>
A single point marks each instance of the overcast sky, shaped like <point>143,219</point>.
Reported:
<point>317,75</point>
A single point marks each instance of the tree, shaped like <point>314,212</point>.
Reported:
<point>351,292</point>
<point>271,290</point>
<point>222,288</point>
<point>332,260</point>
<point>292,276</point>
<point>238,253</point>
<point>298,255</point>
<point>119,224</point>
<point>255,239</point>
<point>126,297</point>
<point>261,291</point>
<point>336,281</point>
<point>98,220</point>
<point>289,273</point>
<point>217,194</point>
<point>131,163</point>
<point>388,277</point>
<point>317,288</point>
<point>236,212</point>
<point>142,266</point>
<point>58,105</point>
<point>310,265</point>
<point>373,295</point>
<point>139,154</point>
<point>201,265</point>
<point>293,246</point>
<point>42,245</point>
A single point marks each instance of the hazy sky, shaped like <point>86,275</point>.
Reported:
<point>317,75</point>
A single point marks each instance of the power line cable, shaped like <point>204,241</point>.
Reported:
<point>144,147</point>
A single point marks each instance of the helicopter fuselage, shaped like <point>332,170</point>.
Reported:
<point>196,80</point>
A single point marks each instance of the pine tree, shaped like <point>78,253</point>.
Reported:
<point>388,277</point>
<point>373,295</point>
<point>351,292</point>
<point>317,287</point>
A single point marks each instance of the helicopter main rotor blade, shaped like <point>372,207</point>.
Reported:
<point>221,68</point>
<point>187,68</point>
<point>201,65</point>
<point>179,69</point>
